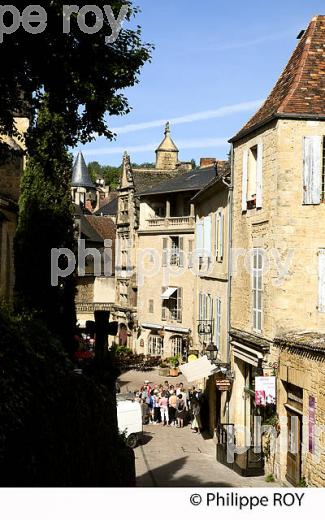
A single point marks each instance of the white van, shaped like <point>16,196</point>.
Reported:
<point>129,420</point>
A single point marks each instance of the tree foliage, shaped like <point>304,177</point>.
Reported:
<point>82,76</point>
<point>57,428</point>
<point>111,174</point>
<point>46,222</point>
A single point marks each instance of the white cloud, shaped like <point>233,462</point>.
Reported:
<point>183,145</point>
<point>191,118</point>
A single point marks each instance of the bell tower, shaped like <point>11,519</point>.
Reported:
<point>167,152</point>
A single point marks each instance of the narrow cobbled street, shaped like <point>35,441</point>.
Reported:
<point>170,456</point>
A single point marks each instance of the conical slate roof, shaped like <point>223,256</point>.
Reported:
<point>167,145</point>
<point>80,174</point>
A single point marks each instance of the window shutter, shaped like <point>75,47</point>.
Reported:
<point>179,303</point>
<point>312,169</point>
<point>199,234</point>
<point>165,252</point>
<point>321,280</point>
<point>221,236</point>
<point>200,306</point>
<point>217,231</point>
<point>207,235</point>
<point>190,253</point>
<point>218,322</point>
<point>244,181</point>
<point>259,175</point>
<point>163,308</point>
<point>181,252</point>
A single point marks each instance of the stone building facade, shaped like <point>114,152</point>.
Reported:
<point>11,170</point>
<point>133,181</point>
<point>278,273</point>
<point>211,309</point>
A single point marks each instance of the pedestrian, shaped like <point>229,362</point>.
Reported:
<point>172,408</point>
<point>196,409</point>
<point>156,408</point>
<point>180,411</point>
<point>163,403</point>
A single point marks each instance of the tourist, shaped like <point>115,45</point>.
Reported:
<point>180,411</point>
<point>196,409</point>
<point>172,408</point>
<point>156,408</point>
<point>163,403</point>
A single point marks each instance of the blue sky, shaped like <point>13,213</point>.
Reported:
<point>214,62</point>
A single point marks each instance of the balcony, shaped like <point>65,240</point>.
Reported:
<point>171,222</point>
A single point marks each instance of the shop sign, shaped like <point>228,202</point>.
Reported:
<point>311,423</point>
<point>265,392</point>
<point>223,384</point>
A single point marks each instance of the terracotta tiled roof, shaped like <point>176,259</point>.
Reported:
<point>300,90</point>
<point>103,226</point>
<point>310,341</point>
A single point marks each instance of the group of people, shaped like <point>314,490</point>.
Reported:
<point>170,405</point>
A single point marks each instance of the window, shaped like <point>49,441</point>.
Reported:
<point>205,316</point>
<point>313,174</point>
<point>123,251</point>
<point>124,205</point>
<point>176,345</point>
<point>155,345</point>
<point>252,177</point>
<point>219,228</point>
<point>321,280</point>
<point>218,323</point>
<point>203,236</point>
<point>172,305</point>
<point>173,251</point>
<point>257,271</point>
<point>174,254</point>
<point>151,306</point>
<point>123,293</point>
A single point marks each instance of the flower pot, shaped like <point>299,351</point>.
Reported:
<point>173,372</point>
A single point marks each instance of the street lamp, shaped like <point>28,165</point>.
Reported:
<point>211,352</point>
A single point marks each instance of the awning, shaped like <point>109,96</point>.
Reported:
<point>168,292</point>
<point>247,354</point>
<point>198,369</point>
<point>151,326</point>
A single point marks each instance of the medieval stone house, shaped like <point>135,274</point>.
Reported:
<point>278,278</point>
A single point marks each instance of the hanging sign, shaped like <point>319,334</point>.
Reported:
<point>265,392</point>
<point>223,384</point>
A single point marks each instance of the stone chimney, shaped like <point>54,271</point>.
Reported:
<point>207,161</point>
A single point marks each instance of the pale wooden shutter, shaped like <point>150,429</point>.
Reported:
<point>163,308</point>
<point>312,169</point>
<point>181,252</point>
<point>217,229</point>
<point>190,253</point>
<point>207,235</point>
<point>259,175</point>
<point>199,234</point>
<point>244,181</point>
<point>165,252</point>
<point>179,303</point>
<point>221,236</point>
<point>321,280</point>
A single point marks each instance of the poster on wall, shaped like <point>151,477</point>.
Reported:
<point>265,390</point>
<point>311,423</point>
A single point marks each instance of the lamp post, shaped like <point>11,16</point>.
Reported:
<point>211,352</point>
